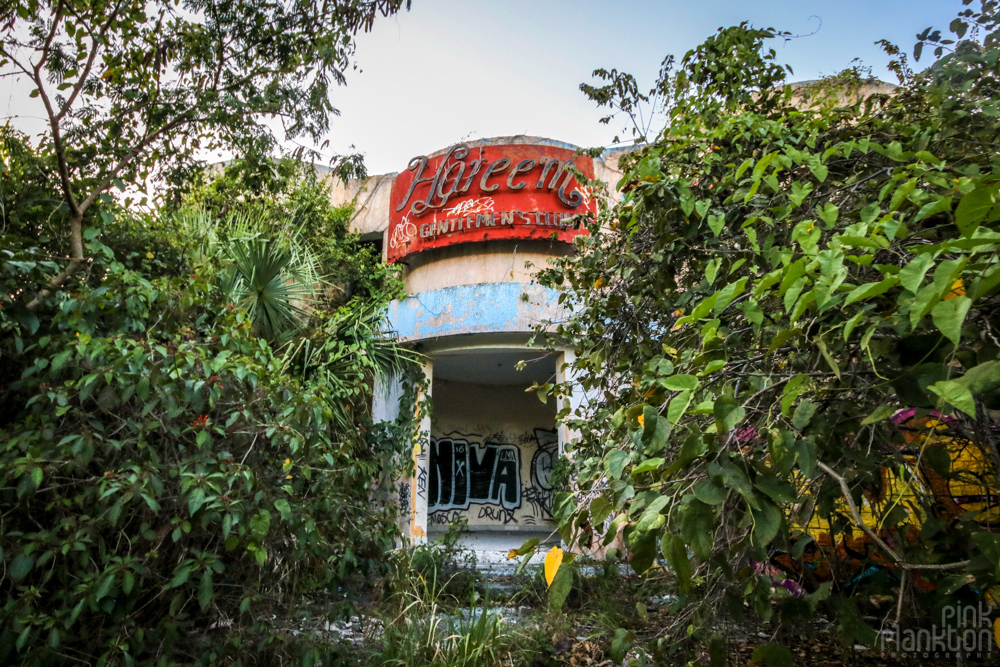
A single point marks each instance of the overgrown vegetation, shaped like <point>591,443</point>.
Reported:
<point>188,467</point>
<point>171,480</point>
<point>780,278</point>
<point>189,472</point>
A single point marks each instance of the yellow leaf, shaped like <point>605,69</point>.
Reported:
<point>598,283</point>
<point>996,630</point>
<point>512,554</point>
<point>642,421</point>
<point>958,289</point>
<point>150,255</point>
<point>553,560</point>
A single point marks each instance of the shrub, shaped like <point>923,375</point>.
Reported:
<point>169,481</point>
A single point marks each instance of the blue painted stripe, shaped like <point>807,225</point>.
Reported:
<point>477,308</point>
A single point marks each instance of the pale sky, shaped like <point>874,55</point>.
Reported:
<point>456,69</point>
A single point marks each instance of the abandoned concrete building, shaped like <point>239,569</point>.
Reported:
<point>471,225</point>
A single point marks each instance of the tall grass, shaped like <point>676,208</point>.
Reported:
<point>426,625</point>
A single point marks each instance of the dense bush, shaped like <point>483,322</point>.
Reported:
<point>788,268</point>
<point>168,473</point>
<point>174,487</point>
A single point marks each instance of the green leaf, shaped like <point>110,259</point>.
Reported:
<point>20,567</point>
<point>678,406</point>
<point>698,524</point>
<point>620,645</point>
<point>284,509</point>
<point>778,490</point>
<point>60,359</point>
<point>804,413</point>
<point>881,413</point>
<point>712,269</point>
<point>649,465</point>
<point>982,378</point>
<point>782,338</point>
<point>692,447</point>
<point>727,294</point>
<point>660,434</point>
<point>956,395</point>
<point>652,511</point>
<point>901,193</point>
<point>716,223</point>
<point>869,290</point>
<point>260,524</point>
<point>797,385</point>
<point>734,478</point>
<point>912,275</point>
<point>205,589</point>
<point>681,382</point>
<point>708,492</point>
<point>743,167</point>
<point>820,171</point>
<point>933,208</point>
<point>972,209</point>
<point>196,499</point>
<point>675,553</point>
<point>560,589</point>
<point>828,213</point>
<point>766,522</point>
<point>617,460</point>
<point>728,413</point>
<point>600,508</point>
<point>529,545</point>
<point>181,575</point>
<point>758,171</point>
<point>799,193</point>
<point>948,316</point>
<point>831,362</point>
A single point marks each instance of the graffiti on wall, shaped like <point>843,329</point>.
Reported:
<point>464,472</point>
<point>840,550</point>
<point>467,469</point>
<point>540,493</point>
<point>404,498</point>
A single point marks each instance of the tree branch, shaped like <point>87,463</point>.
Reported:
<point>889,551</point>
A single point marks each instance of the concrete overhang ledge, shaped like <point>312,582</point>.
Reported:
<point>495,307</point>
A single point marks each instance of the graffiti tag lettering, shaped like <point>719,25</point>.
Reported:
<point>463,473</point>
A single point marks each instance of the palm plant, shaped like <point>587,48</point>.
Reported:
<point>268,269</point>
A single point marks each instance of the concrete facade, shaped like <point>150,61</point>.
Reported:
<point>487,452</point>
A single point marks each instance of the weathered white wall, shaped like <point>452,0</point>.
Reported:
<point>503,418</point>
<point>371,197</point>
<point>484,262</point>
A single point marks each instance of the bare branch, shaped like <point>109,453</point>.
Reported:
<point>889,551</point>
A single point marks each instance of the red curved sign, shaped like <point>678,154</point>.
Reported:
<point>514,191</point>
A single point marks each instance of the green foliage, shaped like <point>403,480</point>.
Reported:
<point>429,619</point>
<point>175,488</point>
<point>132,91</point>
<point>270,269</point>
<point>297,194</point>
<point>168,473</point>
<point>787,267</point>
